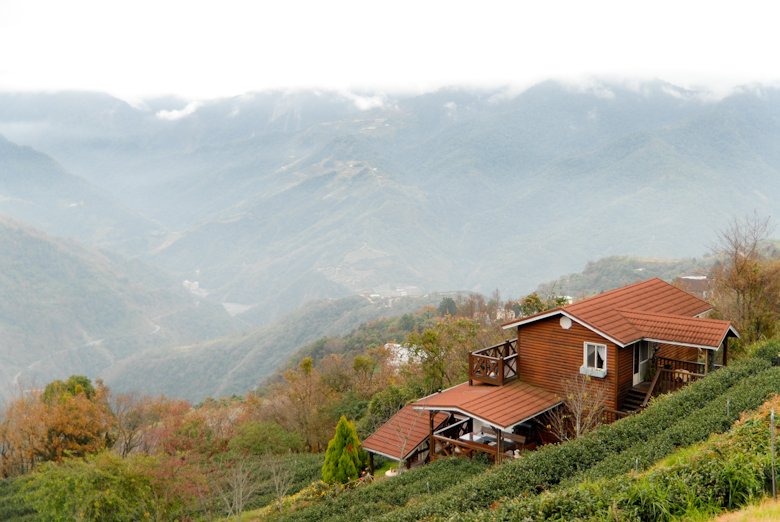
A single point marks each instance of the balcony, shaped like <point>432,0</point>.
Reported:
<point>495,364</point>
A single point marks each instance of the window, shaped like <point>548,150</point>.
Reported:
<point>595,360</point>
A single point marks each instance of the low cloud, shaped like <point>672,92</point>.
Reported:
<point>177,115</point>
<point>365,103</point>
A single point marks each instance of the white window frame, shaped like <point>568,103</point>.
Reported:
<point>592,370</point>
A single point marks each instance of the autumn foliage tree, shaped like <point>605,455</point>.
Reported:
<point>747,278</point>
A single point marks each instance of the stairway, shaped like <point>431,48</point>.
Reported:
<point>636,396</point>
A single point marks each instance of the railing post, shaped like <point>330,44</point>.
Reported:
<point>471,369</point>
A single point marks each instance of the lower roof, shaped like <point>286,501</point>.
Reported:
<point>399,437</point>
<point>499,406</point>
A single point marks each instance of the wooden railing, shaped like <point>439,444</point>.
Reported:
<point>608,416</point>
<point>673,380</point>
<point>447,442</point>
<point>495,364</point>
<point>676,364</point>
<point>666,381</point>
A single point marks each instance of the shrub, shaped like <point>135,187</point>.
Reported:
<point>412,486</point>
<point>344,459</point>
<point>550,465</point>
<point>767,350</point>
<point>725,472</point>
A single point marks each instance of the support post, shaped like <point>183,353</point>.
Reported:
<point>706,362</point>
<point>726,351</point>
<point>499,453</point>
<point>431,442</point>
<point>371,464</point>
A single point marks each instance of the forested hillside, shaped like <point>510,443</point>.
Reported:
<point>66,308</point>
<point>280,197</point>
<point>616,271</point>
<point>239,362</point>
<point>36,189</point>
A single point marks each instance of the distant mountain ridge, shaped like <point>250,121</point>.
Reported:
<point>37,189</point>
<point>66,308</point>
<point>276,198</point>
<point>239,362</point>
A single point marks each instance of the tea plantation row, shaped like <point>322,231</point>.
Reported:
<point>723,473</point>
<point>612,448</point>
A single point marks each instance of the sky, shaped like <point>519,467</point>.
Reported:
<point>200,50</point>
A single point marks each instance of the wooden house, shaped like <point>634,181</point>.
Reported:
<point>634,342</point>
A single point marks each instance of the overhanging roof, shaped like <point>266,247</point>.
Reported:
<point>499,406</point>
<point>615,315</point>
<point>400,436</point>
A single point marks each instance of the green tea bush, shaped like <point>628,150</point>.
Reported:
<point>725,472</point>
<point>552,464</point>
<point>767,350</point>
<point>714,417</point>
<point>387,494</point>
<point>12,503</point>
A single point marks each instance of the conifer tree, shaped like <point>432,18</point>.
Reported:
<point>344,458</point>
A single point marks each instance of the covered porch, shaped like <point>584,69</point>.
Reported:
<point>497,421</point>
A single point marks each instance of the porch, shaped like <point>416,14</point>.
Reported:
<point>495,364</point>
<point>462,440</point>
<point>669,376</point>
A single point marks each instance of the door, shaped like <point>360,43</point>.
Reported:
<point>641,357</point>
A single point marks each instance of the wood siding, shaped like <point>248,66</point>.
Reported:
<point>549,354</point>
<point>625,372</point>
<point>683,353</point>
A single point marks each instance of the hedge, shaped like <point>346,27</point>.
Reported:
<point>552,464</point>
<point>388,494</point>
<point>12,504</point>
<point>725,472</point>
<point>715,417</point>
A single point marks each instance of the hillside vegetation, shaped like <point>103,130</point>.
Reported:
<point>66,308</point>
<point>37,189</point>
<point>240,362</point>
<point>613,272</point>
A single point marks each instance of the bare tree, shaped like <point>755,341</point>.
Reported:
<point>236,482</point>
<point>282,471</point>
<point>583,404</point>
<point>747,277</point>
<point>131,412</point>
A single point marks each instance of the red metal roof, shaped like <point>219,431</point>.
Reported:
<point>704,333</point>
<point>400,436</point>
<point>499,406</point>
<point>602,313</point>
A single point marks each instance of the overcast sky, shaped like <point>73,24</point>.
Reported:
<point>222,48</point>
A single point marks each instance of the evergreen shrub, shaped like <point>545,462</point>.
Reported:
<point>344,458</point>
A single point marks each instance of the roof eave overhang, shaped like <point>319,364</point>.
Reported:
<point>483,420</point>
<point>573,318</point>
<point>385,455</point>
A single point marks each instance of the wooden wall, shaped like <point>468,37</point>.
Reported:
<point>682,353</point>
<point>625,372</point>
<point>548,354</point>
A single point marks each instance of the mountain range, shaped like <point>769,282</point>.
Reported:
<point>271,200</point>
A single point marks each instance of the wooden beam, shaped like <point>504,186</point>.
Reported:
<point>706,362</point>
<point>431,442</point>
<point>499,453</point>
